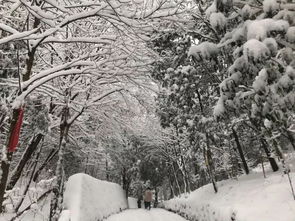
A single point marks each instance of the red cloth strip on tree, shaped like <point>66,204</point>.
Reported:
<point>14,137</point>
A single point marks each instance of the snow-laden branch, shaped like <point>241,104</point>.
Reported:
<point>54,4</point>
<point>39,13</point>
<point>16,35</point>
<point>92,103</point>
<point>82,15</point>
<point>46,73</point>
<point>19,99</point>
<point>100,40</point>
<point>100,97</point>
<point>8,29</point>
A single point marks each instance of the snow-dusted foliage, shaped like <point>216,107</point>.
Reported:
<point>255,50</point>
<point>270,6</point>
<point>262,59</point>
<point>261,29</point>
<point>218,21</point>
<point>290,35</point>
<point>234,72</point>
<point>90,199</point>
<point>205,50</point>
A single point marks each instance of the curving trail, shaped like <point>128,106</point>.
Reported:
<point>145,215</point>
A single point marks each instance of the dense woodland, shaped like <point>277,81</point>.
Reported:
<point>172,94</point>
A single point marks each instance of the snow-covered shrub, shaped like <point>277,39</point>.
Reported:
<point>272,46</point>
<point>255,50</point>
<point>290,35</point>
<point>260,81</point>
<point>246,12</point>
<point>261,29</point>
<point>219,108</point>
<point>203,51</point>
<point>270,6</point>
<point>218,21</point>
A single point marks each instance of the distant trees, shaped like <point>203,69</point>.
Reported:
<point>224,79</point>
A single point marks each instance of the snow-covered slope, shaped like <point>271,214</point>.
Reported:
<point>90,199</point>
<point>250,198</point>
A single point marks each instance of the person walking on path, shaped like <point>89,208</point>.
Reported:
<point>139,197</point>
<point>148,197</point>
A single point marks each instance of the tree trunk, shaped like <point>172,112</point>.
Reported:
<point>56,201</point>
<point>182,167</point>
<point>107,170</point>
<point>86,164</point>
<point>6,159</point>
<point>17,172</point>
<point>240,150</point>
<point>185,175</point>
<point>291,139</point>
<point>210,164</point>
<point>5,164</point>
<point>2,119</point>
<point>176,180</point>
<point>156,198</point>
<point>272,161</point>
<point>125,182</point>
<point>172,194</point>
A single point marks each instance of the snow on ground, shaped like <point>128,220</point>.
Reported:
<point>90,199</point>
<point>132,203</point>
<point>250,198</point>
<point>145,215</point>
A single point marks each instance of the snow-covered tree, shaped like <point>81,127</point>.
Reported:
<point>54,39</point>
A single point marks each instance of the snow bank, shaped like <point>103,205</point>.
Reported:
<point>251,198</point>
<point>132,203</point>
<point>90,199</point>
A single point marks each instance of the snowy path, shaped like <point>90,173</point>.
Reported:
<point>145,215</point>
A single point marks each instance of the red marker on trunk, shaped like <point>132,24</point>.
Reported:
<point>14,137</point>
